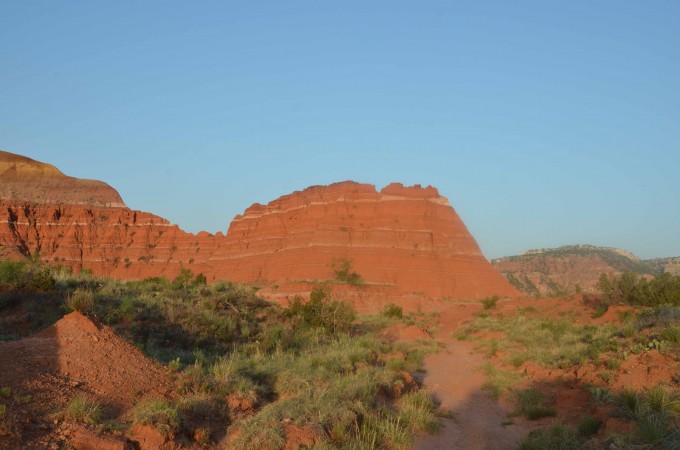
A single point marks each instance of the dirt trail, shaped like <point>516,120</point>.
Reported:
<point>454,378</point>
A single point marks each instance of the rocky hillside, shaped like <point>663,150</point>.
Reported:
<point>570,268</point>
<point>401,240</point>
<point>670,265</point>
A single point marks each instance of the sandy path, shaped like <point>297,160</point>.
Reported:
<point>454,378</point>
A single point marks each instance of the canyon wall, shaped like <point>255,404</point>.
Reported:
<point>406,240</point>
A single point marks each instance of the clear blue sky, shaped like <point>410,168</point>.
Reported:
<point>544,123</point>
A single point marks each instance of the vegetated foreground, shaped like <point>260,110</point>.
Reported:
<point>584,372</point>
<point>214,366</point>
<point>185,365</point>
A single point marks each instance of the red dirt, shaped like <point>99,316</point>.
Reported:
<point>454,378</point>
<point>74,357</point>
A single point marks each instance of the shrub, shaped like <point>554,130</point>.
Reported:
<point>637,290</point>
<point>80,409</point>
<point>22,275</point>
<point>5,392</point>
<point>81,300</point>
<point>661,400</point>
<point>11,273</point>
<point>490,302</point>
<point>392,310</point>
<point>320,311</point>
<point>183,279</point>
<point>342,269</point>
<point>161,414</point>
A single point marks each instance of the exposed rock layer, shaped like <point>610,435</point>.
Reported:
<point>408,239</point>
<point>26,180</point>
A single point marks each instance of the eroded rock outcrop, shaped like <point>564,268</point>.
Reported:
<point>406,237</point>
<point>401,240</point>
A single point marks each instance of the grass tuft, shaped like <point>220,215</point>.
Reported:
<point>80,409</point>
<point>161,414</point>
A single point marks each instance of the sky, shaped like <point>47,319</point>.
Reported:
<point>543,123</point>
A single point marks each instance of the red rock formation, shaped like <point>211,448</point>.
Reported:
<point>408,240</point>
<point>407,237</point>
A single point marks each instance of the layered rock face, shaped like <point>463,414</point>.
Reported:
<point>406,240</point>
<point>406,237</point>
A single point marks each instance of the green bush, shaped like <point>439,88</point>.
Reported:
<point>26,275</point>
<point>323,312</point>
<point>11,273</point>
<point>392,310</point>
<point>490,302</point>
<point>637,290</point>
<point>183,279</point>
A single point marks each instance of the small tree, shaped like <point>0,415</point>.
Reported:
<point>183,279</point>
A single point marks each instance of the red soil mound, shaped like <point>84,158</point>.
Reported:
<point>74,357</point>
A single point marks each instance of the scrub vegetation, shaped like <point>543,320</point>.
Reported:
<point>562,346</point>
<point>240,363</point>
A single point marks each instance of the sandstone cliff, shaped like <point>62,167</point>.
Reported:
<point>401,240</point>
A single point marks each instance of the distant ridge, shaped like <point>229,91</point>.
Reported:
<point>570,268</point>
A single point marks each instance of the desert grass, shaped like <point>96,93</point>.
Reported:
<point>531,403</point>
<point>500,381</point>
<point>81,409</point>
<point>161,414</point>
<point>552,343</point>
